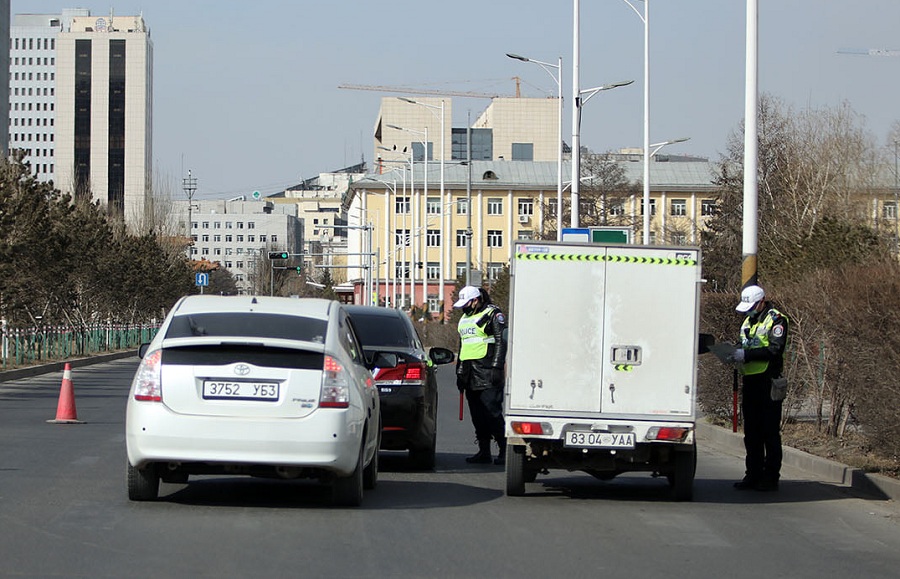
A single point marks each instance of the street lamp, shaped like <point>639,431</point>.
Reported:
<point>416,208</point>
<point>655,149</point>
<point>576,140</point>
<point>444,227</point>
<point>559,184</point>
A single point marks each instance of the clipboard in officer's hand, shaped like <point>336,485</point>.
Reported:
<point>723,351</point>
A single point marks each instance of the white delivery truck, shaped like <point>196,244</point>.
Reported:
<point>601,365</point>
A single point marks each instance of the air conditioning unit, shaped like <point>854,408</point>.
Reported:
<point>523,218</point>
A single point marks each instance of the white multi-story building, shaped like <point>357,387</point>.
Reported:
<point>104,106</point>
<point>236,233</point>
<point>32,94</point>
<point>4,80</point>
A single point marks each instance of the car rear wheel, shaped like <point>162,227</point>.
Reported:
<point>515,470</point>
<point>424,458</point>
<point>370,473</point>
<point>347,491</point>
<point>143,483</point>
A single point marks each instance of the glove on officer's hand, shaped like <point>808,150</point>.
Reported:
<point>497,377</point>
<point>737,357</point>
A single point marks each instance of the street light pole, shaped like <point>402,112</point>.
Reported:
<point>468,200</point>
<point>576,112</point>
<point>559,150</point>
<point>189,184</point>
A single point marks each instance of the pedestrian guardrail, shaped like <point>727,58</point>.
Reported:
<point>36,345</point>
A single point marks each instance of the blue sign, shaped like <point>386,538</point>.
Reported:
<point>201,279</point>
<point>577,234</point>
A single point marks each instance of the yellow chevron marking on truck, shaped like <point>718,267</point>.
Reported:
<point>608,258</point>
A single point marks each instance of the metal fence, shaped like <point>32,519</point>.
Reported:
<point>28,346</point>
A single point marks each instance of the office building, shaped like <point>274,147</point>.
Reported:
<point>104,113</point>
<point>4,82</point>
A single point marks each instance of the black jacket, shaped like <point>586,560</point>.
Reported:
<point>488,371</point>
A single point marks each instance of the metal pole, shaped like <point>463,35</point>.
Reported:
<point>559,157</point>
<point>444,225</point>
<point>189,185</point>
<point>646,122</point>
<point>751,201</point>
<point>469,199</point>
<point>576,115</point>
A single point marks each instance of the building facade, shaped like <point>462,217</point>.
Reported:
<point>104,113</point>
<point>237,233</point>
<point>5,34</point>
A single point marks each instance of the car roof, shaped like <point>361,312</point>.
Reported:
<point>376,311</point>
<point>306,307</point>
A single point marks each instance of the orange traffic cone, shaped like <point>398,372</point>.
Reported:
<point>65,410</point>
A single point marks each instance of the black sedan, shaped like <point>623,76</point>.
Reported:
<point>408,392</point>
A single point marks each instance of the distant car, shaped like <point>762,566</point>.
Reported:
<point>408,391</point>
<point>258,386</point>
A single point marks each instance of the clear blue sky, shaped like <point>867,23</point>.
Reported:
<point>245,93</point>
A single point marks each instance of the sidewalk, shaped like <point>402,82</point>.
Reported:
<point>37,370</point>
<point>824,470</point>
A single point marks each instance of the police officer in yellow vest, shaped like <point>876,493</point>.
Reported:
<point>479,369</point>
<point>761,360</point>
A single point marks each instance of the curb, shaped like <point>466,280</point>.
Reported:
<point>30,371</point>
<point>823,469</point>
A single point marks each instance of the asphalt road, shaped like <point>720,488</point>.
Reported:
<point>64,513</point>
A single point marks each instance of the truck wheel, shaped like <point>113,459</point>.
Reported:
<point>515,470</point>
<point>683,476</point>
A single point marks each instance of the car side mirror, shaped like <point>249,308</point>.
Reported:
<point>440,355</point>
<point>704,342</point>
<point>143,350</point>
<point>384,360</point>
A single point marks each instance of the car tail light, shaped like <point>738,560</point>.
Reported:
<point>668,433</point>
<point>147,380</point>
<point>404,374</point>
<point>335,385</point>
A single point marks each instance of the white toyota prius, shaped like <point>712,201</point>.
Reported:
<point>259,386</point>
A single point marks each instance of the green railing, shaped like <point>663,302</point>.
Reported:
<point>29,346</point>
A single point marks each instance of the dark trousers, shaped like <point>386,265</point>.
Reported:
<point>486,408</point>
<point>762,429</point>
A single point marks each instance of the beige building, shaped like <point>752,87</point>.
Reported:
<point>416,244</point>
<point>104,113</point>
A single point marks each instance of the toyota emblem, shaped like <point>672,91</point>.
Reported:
<point>242,369</point>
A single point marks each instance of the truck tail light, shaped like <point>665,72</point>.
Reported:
<point>668,433</point>
<point>148,379</point>
<point>335,385</point>
<point>531,428</point>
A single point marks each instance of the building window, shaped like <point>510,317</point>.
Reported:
<point>708,207</point>
<point>433,206</point>
<point>525,235</point>
<point>228,238</point>
<point>494,270</point>
<point>274,239</point>
<point>228,252</point>
<point>617,209</point>
<point>526,207</point>
<point>433,238</point>
<point>262,238</point>
<point>228,225</point>
<point>217,238</point>
<point>460,269</point>
<point>401,237</point>
<point>652,207</point>
<point>251,225</point>
<point>240,265</point>
<point>461,238</point>
<point>401,270</point>
<point>240,224</point>
<point>217,225</point>
<point>434,305</point>
<point>678,207</point>
<point>523,151</point>
<point>462,206</point>
<point>205,238</point>
<point>401,205</point>
<point>432,270</point>
<point>679,239</point>
<point>494,238</point>
<point>890,210</point>
<point>495,206</point>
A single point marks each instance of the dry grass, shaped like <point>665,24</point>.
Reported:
<point>852,449</point>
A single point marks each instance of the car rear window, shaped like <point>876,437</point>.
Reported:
<point>381,331</point>
<point>248,325</point>
<point>232,354</point>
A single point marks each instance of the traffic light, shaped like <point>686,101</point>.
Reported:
<point>278,255</point>
<point>299,270</point>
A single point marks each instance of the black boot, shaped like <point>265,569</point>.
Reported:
<point>483,456</point>
<point>501,454</point>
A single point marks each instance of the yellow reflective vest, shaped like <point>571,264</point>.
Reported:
<point>757,336</point>
<point>474,339</point>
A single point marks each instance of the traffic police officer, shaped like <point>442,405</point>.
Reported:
<point>479,369</point>
<point>761,360</point>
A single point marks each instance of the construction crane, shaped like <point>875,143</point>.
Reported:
<point>433,92</point>
<point>869,51</point>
